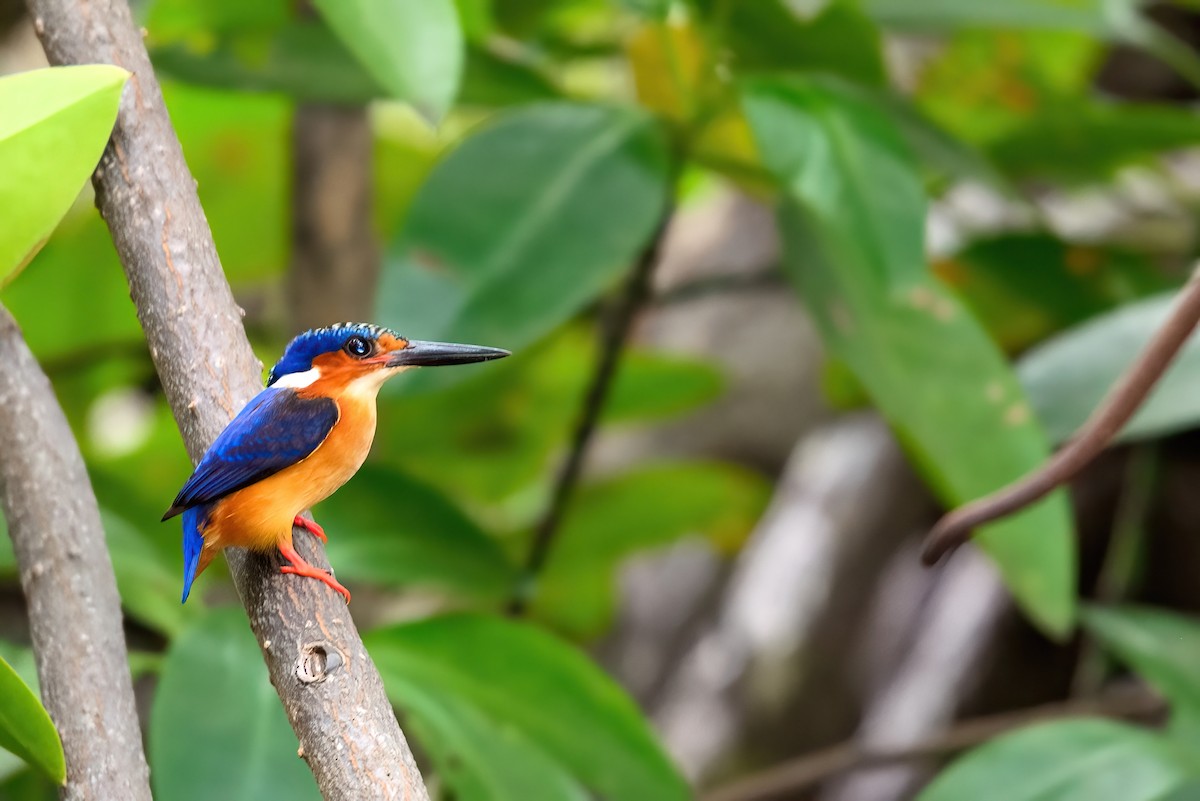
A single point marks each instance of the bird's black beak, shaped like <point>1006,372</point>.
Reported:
<point>437,354</point>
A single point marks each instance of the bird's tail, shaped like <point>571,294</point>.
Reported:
<point>194,521</point>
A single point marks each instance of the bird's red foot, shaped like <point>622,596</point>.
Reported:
<point>311,527</point>
<point>300,567</point>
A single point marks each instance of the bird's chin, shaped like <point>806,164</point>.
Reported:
<point>368,385</point>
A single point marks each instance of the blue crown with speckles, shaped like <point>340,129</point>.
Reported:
<point>300,352</point>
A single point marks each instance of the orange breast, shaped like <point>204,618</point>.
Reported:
<point>261,515</point>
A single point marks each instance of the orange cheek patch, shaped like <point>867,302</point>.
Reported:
<point>389,343</point>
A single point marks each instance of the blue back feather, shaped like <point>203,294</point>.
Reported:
<point>300,352</point>
<point>275,430</point>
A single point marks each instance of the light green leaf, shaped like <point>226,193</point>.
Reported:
<point>54,124</point>
<point>650,507</point>
<point>414,48</point>
<point>523,223</point>
<point>217,729</point>
<point>857,258</point>
<point>389,529</point>
<point>26,729</point>
<point>1163,647</point>
<point>1067,376</point>
<point>548,694</point>
<point>1071,760</point>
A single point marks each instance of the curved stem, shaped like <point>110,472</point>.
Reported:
<point>1125,398</point>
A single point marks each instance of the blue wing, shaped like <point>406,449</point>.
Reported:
<point>275,430</point>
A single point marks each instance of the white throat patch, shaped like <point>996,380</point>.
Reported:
<point>298,380</point>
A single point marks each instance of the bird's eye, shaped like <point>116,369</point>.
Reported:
<point>357,347</point>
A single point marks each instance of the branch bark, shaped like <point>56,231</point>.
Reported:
<point>1125,398</point>
<point>329,686</point>
<point>335,261</point>
<point>67,577</point>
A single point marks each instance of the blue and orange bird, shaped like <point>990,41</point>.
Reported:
<point>296,442</point>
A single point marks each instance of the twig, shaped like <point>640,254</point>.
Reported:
<point>616,331</point>
<point>335,262</point>
<point>793,776</point>
<point>67,577</point>
<point>1105,423</point>
<point>346,727</point>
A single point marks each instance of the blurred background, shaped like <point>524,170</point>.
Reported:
<point>852,263</point>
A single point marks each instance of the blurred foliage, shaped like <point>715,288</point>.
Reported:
<point>567,130</point>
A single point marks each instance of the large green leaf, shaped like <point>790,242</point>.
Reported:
<point>54,124</point>
<point>856,255</point>
<point>388,529</point>
<point>1163,647</point>
<point>1066,760</point>
<point>1067,376</point>
<point>217,729</point>
<point>521,679</point>
<point>650,507</point>
<point>26,729</point>
<point>525,222</point>
<point>414,48</point>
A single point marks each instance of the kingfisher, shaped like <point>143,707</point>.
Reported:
<point>296,442</point>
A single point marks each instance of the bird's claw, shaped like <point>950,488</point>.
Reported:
<point>299,567</point>
<point>311,527</point>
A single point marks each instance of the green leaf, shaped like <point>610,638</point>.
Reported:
<point>1083,140</point>
<point>414,48</point>
<point>856,255</point>
<point>1185,792</point>
<point>1163,647</point>
<point>389,529</point>
<point>653,386</point>
<point>1025,287</point>
<point>303,60</point>
<point>54,124</point>
<point>525,222</point>
<point>1067,376</point>
<point>217,729</point>
<point>521,679</point>
<point>149,587</point>
<point>482,758</point>
<point>8,560</point>
<point>1070,760</point>
<point>26,729</point>
<point>647,508</point>
<point>767,35</point>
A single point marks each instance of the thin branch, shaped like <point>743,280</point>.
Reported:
<point>618,323</point>
<point>769,277</point>
<point>329,686</point>
<point>798,774</point>
<point>67,577</point>
<point>335,261</point>
<point>1125,398</point>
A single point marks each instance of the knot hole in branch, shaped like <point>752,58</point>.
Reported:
<point>317,661</point>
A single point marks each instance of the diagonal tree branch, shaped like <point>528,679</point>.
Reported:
<point>1122,401</point>
<point>74,609</point>
<point>329,686</point>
